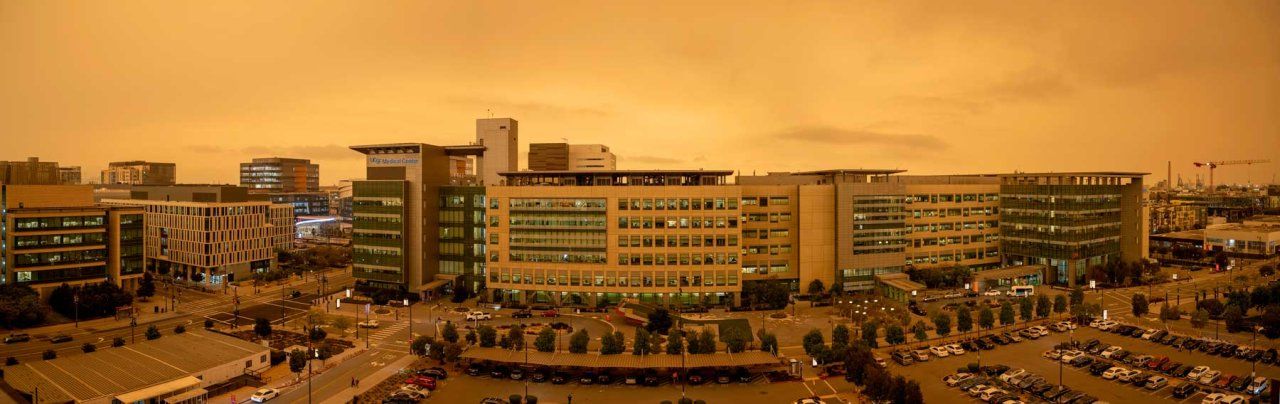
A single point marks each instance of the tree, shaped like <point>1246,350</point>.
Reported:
<point>869,335</point>
<point>179,329</point>
<point>1059,304</point>
<point>472,337</point>
<point>262,327</point>
<point>893,335</point>
<point>913,393</point>
<point>88,347</point>
<point>964,319</point>
<point>89,300</point>
<point>1168,312</point>
<point>578,341</point>
<point>659,321</point>
<point>768,341</point>
<point>816,287</point>
<point>515,337</point>
<point>675,341</point>
<point>1199,318</point>
<point>1139,303</point>
<point>153,333</point>
<point>942,324</point>
<point>1077,296</point>
<point>20,306</point>
<point>840,335</point>
<point>146,287</point>
<point>419,345</point>
<point>1025,309</point>
<point>1006,313</point>
<point>546,341</point>
<point>707,340</point>
<point>921,331</point>
<point>986,319</point>
<point>317,334</point>
<point>488,336</point>
<point>449,332</point>
<point>640,342</point>
<point>736,339</point>
<point>1043,306</point>
<point>694,341</point>
<point>49,355</point>
<point>117,342</point>
<point>609,344</point>
<point>812,340</point>
<point>1234,317</point>
<point>655,343</point>
<point>297,360</point>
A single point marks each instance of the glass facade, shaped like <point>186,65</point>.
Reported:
<point>378,231</point>
<point>1066,227</point>
<point>462,234</point>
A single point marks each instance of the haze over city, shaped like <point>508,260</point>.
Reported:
<point>931,87</point>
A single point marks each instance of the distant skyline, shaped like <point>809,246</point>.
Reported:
<point>930,87</point>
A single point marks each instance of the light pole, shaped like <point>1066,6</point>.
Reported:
<point>76,302</point>
<point>406,303</point>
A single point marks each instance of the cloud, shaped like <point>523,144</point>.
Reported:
<point>204,148</point>
<point>649,160</point>
<point>825,135</point>
<point>503,107</point>
<point>328,152</point>
<point>1028,85</point>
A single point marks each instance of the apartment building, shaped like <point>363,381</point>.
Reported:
<point>594,237</point>
<point>140,173</point>
<point>69,175</point>
<point>29,172</point>
<point>277,175</point>
<point>571,157</point>
<point>55,234</point>
<point>214,230</point>
<point>1072,221</point>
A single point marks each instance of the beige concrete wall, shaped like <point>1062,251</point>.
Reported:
<point>792,193</point>
<point>991,188</point>
<point>817,234</point>
<point>47,196</point>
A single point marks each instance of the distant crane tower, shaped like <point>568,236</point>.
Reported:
<point>1214,164</point>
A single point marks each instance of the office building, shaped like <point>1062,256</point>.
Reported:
<point>1072,221</point>
<point>339,199</point>
<point>303,203</point>
<point>214,230</point>
<point>55,234</point>
<point>69,175</point>
<point>29,172</point>
<point>275,175</point>
<point>462,235</point>
<point>571,157</point>
<point>499,138</point>
<point>592,237</point>
<point>140,173</point>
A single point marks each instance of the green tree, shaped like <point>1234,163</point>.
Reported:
<point>515,337</point>
<point>449,332</point>
<point>488,336</point>
<point>768,341</point>
<point>1059,304</point>
<point>942,324</point>
<point>546,341</point>
<point>88,347</point>
<point>1199,318</point>
<point>675,341</point>
<point>1234,317</point>
<point>297,360</point>
<point>1006,313</point>
<point>1043,306</point>
<point>146,286</point>
<point>472,337</point>
<point>694,341</point>
<point>986,319</point>
<point>655,343</point>
<point>659,321</point>
<point>893,335</point>
<point>20,306</point>
<point>736,339</point>
<point>869,336</point>
<point>1077,296</point>
<point>840,335</point>
<point>816,287</point>
<point>419,345</point>
<point>964,319</point>
<point>1168,313</point>
<point>49,354</point>
<point>609,344</point>
<point>640,342</point>
<point>153,333</point>
<point>1025,309</point>
<point>921,331</point>
<point>578,341</point>
<point>262,327</point>
<point>117,342</point>
<point>707,341</point>
<point>1139,304</point>
<point>812,340</point>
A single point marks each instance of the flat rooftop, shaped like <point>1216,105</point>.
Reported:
<point>109,372</point>
<point>546,173</point>
<point>1184,235</point>
<point>1127,174</point>
<point>1244,228</point>
<point>852,171</point>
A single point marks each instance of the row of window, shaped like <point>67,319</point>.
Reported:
<point>553,220</point>
<point>765,268</point>
<point>765,234</point>
<point>683,240</point>
<point>63,222</point>
<point>565,238</point>
<point>576,257</point>
<point>963,212</point>
<point>765,201</point>
<point>557,203</point>
<point>616,279</point>
<point>965,255</point>
<point>948,198</point>
<point>766,217</point>
<point>773,249</point>
<point>937,227</point>
<point>678,259</point>
<point>60,240</point>
<point>678,204</point>
<point>59,258</point>
<point>678,222</point>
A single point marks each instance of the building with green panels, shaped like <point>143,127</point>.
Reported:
<point>1071,221</point>
<point>378,236</point>
<point>462,236</point>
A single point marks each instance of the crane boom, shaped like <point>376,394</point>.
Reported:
<point>1214,164</point>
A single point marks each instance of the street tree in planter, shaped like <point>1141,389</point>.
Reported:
<point>675,341</point>
<point>450,332</point>
<point>1043,306</point>
<point>297,361</point>
<point>893,335</point>
<point>1139,304</point>
<point>578,341</point>
<point>1006,313</point>
<point>546,341</point>
<point>1025,309</point>
<point>146,287</point>
<point>942,324</point>
<point>1059,304</point>
<point>812,340</point>
<point>920,330</point>
<point>964,319</point>
<point>488,336</point>
<point>869,334</point>
<point>640,342</point>
<point>986,318</point>
<point>262,327</point>
<point>153,333</point>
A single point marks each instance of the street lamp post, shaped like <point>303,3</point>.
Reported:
<point>406,303</point>
<point>76,302</point>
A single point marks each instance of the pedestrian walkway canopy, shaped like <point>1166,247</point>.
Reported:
<point>622,361</point>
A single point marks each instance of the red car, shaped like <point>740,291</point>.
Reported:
<point>1155,363</point>
<point>424,381</point>
<point>1225,381</point>
<point>551,313</point>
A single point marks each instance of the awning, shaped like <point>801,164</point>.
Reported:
<point>1010,272</point>
<point>158,390</point>
<point>621,361</point>
<point>433,285</point>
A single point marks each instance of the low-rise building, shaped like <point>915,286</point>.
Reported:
<point>1243,240</point>
<point>140,173</point>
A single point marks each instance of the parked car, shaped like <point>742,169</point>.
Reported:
<point>1196,372</point>
<point>1157,382</point>
<point>651,378</point>
<point>1209,377</point>
<point>414,392</point>
<point>921,355</point>
<point>1232,399</point>
<point>550,313</point>
<point>540,375</point>
<point>523,313</point>
<point>1007,376</point>
<point>264,394</point>
<point>1239,384</point>
<point>953,379</point>
<point>560,378</point>
<point>1257,385</point>
<point>498,372</point>
<point>1111,350</point>
<point>478,316</point>
<point>955,349</point>
<point>1134,376</point>
<point>1098,368</point>
<point>939,351</point>
<point>436,372</point>
<point>20,337</point>
<point>367,324</point>
<point>1185,390</point>
<point>1114,372</point>
<point>604,378</point>
<point>516,374</point>
<point>901,357</point>
<point>1225,381</point>
<point>476,369</point>
<point>60,338</point>
<point>423,381</point>
<point>743,375</point>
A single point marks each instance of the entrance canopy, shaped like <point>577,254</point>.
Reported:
<point>621,361</point>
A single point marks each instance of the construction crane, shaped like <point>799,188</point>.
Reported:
<point>1214,164</point>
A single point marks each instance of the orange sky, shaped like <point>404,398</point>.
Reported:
<point>931,86</point>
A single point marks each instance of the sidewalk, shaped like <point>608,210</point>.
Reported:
<point>145,315</point>
<point>371,381</point>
